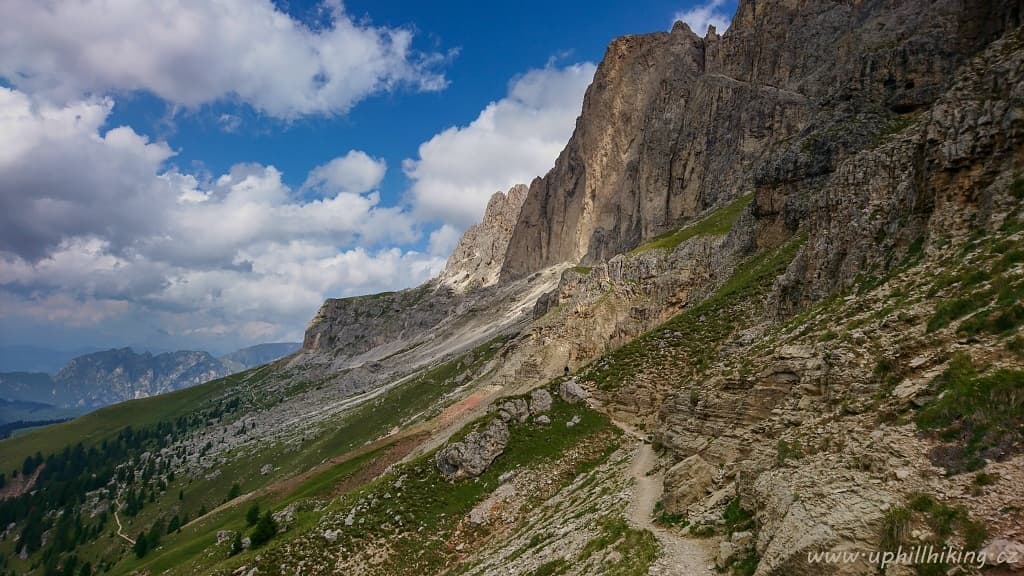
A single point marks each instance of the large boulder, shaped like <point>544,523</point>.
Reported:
<point>687,482</point>
<point>540,401</point>
<point>512,409</point>
<point>571,391</point>
<point>474,454</point>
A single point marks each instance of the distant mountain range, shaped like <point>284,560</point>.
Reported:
<point>98,379</point>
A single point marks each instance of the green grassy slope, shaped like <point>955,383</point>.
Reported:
<point>718,222</point>
<point>106,422</point>
<point>692,337</point>
<point>331,454</point>
<point>415,520</point>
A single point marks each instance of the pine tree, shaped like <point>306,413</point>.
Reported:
<point>253,514</point>
<point>155,532</point>
<point>141,545</point>
<point>265,529</point>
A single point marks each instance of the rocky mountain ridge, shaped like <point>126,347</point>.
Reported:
<point>674,125</point>
<point>479,256</point>
<point>101,378</point>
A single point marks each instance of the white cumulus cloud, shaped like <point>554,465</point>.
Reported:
<point>192,52</point>
<point>512,141</point>
<point>96,229</point>
<point>354,172</point>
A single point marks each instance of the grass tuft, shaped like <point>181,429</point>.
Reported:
<point>978,415</point>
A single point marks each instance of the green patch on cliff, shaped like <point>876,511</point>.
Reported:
<point>717,223</point>
<point>976,416</point>
<point>943,523</point>
<point>636,549</point>
<point>990,299</point>
<point>692,338</point>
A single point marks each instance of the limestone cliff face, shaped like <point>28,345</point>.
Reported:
<point>661,139</point>
<point>480,254</point>
<point>351,326</point>
<point>674,124</point>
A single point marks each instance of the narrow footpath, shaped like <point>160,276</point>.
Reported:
<point>680,556</point>
<point>120,530</point>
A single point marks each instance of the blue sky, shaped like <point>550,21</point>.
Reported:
<point>201,174</point>
<point>494,43</point>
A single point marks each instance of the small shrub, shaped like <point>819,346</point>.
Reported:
<point>895,527</point>
<point>704,531</point>
<point>747,565</point>
<point>998,322</point>
<point>537,539</point>
<point>737,519</point>
<point>787,451</point>
<point>985,479</point>
<point>947,312</point>
<point>1016,345</point>
<point>975,534</point>
<point>1017,188</point>
<point>665,519</point>
<point>978,415</point>
<point>884,367</point>
<point>943,519</point>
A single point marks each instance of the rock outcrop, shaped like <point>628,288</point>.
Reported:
<point>571,391</point>
<point>477,259</point>
<point>471,456</point>
<point>686,482</point>
<point>662,139</point>
<point>540,401</point>
<point>354,325</point>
